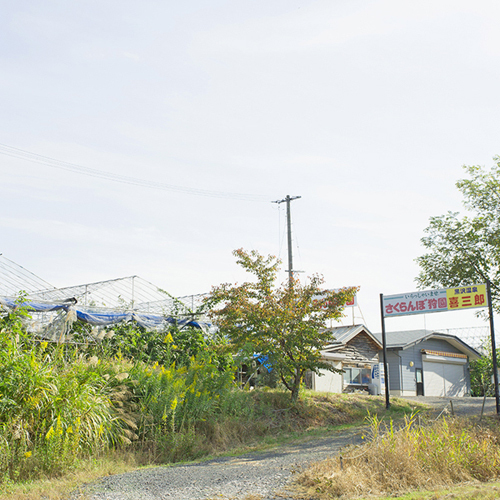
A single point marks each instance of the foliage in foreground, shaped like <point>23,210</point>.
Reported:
<point>414,457</point>
<point>481,372</point>
<point>286,324</point>
<point>245,420</point>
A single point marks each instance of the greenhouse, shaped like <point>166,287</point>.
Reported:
<point>98,305</point>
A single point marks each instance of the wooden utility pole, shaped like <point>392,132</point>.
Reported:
<point>287,200</point>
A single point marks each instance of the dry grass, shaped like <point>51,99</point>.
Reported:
<point>467,491</point>
<point>57,488</point>
<point>414,457</point>
<point>246,497</point>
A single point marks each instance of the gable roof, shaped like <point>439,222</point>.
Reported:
<point>404,340</point>
<point>341,335</point>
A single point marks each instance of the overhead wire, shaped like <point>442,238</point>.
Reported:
<point>23,154</point>
<point>15,277</point>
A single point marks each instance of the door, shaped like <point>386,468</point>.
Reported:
<point>433,376</point>
<point>420,383</point>
<point>454,380</point>
<point>444,379</point>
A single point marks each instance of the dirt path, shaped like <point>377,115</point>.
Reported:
<point>263,474</point>
<point>465,407</point>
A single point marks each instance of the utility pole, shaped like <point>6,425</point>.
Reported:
<point>287,200</point>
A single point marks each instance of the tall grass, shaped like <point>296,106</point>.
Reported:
<point>51,411</point>
<point>171,401</point>
<point>58,404</point>
<point>414,457</point>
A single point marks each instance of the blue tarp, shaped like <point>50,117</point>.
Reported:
<point>264,361</point>
<point>33,306</point>
<point>99,318</point>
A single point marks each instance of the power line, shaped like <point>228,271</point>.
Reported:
<point>23,154</point>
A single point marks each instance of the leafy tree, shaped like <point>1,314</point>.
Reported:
<point>178,345</point>
<point>466,249</point>
<point>481,372</point>
<point>285,323</point>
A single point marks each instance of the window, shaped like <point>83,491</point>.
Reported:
<point>357,376</point>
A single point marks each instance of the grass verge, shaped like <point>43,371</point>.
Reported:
<point>247,421</point>
<point>399,460</point>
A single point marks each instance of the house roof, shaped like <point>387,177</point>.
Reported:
<point>341,335</point>
<point>406,339</point>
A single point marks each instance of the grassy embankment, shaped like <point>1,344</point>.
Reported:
<point>448,458</point>
<point>244,421</point>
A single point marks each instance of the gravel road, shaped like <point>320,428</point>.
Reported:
<point>466,407</point>
<point>264,474</point>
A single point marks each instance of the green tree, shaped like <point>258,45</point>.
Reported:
<point>175,344</point>
<point>465,249</point>
<point>481,373</point>
<point>285,323</point>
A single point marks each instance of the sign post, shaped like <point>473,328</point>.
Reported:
<point>384,347</point>
<point>493,347</point>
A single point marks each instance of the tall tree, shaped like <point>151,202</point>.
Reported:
<point>285,323</point>
<point>465,249</point>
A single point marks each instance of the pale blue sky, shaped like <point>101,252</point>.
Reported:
<point>366,109</point>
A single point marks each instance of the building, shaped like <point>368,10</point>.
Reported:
<point>420,363</point>
<point>426,363</point>
<point>355,351</point>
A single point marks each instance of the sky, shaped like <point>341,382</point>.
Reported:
<point>367,110</point>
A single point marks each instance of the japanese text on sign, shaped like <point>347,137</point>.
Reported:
<point>352,303</point>
<point>446,299</point>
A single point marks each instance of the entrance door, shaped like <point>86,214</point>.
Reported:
<point>444,379</point>
<point>420,383</point>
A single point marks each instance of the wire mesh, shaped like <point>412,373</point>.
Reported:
<point>475,336</point>
<point>130,293</point>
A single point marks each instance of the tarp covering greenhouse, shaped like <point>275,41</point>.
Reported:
<point>98,304</point>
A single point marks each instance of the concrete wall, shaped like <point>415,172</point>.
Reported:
<point>328,381</point>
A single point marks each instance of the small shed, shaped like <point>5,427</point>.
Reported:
<point>355,351</point>
<point>427,363</point>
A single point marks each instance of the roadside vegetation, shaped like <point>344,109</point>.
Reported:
<point>410,460</point>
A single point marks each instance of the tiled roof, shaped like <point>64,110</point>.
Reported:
<point>400,339</point>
